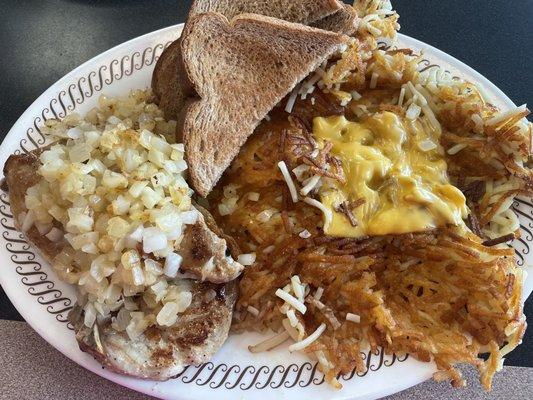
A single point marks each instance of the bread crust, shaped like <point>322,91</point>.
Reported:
<point>299,11</point>
<point>344,21</point>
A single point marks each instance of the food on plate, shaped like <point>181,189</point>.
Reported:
<point>107,204</point>
<point>376,199</point>
<point>252,63</point>
<point>343,21</point>
<point>371,193</point>
<point>162,352</point>
<point>300,11</point>
<point>169,93</point>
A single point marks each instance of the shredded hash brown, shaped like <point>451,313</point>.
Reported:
<point>447,295</point>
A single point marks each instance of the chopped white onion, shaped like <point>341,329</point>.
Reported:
<point>154,239</point>
<point>308,340</point>
<point>246,259</point>
<point>252,310</point>
<point>55,235</point>
<point>287,176</point>
<point>413,112</point>
<point>353,318</point>
<point>269,343</point>
<point>27,221</point>
<point>427,145</point>
<point>293,301</point>
<point>328,215</point>
<point>172,264</point>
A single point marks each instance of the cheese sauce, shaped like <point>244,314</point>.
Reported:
<point>397,167</point>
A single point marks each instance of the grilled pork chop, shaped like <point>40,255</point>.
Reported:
<point>159,353</point>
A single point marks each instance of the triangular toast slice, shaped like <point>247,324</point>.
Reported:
<point>343,21</point>
<point>240,71</point>
<point>166,86</point>
<point>301,11</point>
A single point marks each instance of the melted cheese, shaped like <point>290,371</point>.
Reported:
<point>405,188</point>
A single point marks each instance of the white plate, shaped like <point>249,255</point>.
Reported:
<point>234,373</point>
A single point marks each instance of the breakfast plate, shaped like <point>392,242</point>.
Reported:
<point>44,301</point>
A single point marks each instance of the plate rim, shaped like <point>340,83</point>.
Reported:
<point>14,132</point>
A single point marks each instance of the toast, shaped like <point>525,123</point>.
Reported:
<point>167,90</point>
<point>343,21</point>
<point>240,70</point>
<point>299,11</point>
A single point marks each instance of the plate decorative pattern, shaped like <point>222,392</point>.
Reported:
<point>119,70</point>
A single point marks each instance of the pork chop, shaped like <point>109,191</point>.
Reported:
<point>160,352</point>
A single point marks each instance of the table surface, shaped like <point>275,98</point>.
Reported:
<point>45,39</point>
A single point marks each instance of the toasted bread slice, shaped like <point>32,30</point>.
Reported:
<point>168,91</point>
<point>203,251</point>
<point>240,71</point>
<point>343,21</point>
<point>300,11</point>
<point>161,353</point>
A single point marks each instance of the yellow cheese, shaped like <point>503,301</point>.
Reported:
<point>405,189</point>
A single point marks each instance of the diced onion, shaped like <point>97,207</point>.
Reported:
<point>308,340</point>
<point>413,112</point>
<point>253,196</point>
<point>297,287</point>
<point>353,318</point>
<point>269,343</point>
<point>172,264</point>
<point>456,148</point>
<point>27,221</point>
<point>293,301</point>
<point>153,240</point>
<point>310,184</point>
<point>168,315</point>
<point>328,216</point>
<point>287,176</point>
<point>54,235</point>
<point>305,234</point>
<point>292,99</point>
<point>246,259</point>
<point>252,310</point>
<point>427,145</point>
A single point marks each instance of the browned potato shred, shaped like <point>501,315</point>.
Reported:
<point>447,295</point>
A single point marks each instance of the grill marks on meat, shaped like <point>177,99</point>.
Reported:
<point>20,173</point>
